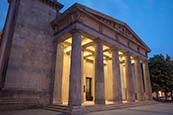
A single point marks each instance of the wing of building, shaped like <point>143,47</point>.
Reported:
<point>75,61</point>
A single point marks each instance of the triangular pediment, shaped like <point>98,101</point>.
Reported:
<point>119,26</point>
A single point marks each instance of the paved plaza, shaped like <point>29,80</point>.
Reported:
<point>155,109</point>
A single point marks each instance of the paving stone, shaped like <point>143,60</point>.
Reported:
<point>155,109</point>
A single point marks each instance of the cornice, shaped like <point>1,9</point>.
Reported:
<point>53,4</point>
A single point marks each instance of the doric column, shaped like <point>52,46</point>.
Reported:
<point>99,74</point>
<point>148,90</point>
<point>129,79</point>
<point>139,80</point>
<point>7,38</point>
<point>58,74</point>
<point>75,85</point>
<point>117,93</point>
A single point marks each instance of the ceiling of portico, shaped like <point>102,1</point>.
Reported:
<point>88,48</point>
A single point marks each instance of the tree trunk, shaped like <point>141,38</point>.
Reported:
<point>171,96</point>
<point>166,96</point>
<point>157,95</point>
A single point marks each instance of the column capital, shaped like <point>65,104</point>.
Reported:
<point>115,48</point>
<point>137,58</point>
<point>127,53</point>
<point>98,40</point>
<point>145,60</point>
<point>75,31</point>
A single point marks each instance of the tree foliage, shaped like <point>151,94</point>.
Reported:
<point>161,71</point>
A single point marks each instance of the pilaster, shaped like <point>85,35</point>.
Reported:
<point>57,95</point>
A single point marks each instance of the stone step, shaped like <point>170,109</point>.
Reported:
<point>58,108</point>
<point>94,108</point>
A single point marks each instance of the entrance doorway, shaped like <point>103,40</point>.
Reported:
<point>89,96</point>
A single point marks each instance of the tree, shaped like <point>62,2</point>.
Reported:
<point>169,77</point>
<point>161,71</point>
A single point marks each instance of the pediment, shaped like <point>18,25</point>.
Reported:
<point>119,26</point>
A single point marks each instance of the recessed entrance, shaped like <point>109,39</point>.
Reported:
<point>89,96</point>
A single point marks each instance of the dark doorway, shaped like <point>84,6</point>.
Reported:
<point>89,96</point>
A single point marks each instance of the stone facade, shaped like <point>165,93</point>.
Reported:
<point>29,73</point>
<point>73,58</point>
<point>0,37</point>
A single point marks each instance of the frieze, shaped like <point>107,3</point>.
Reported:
<point>117,26</point>
<point>74,16</point>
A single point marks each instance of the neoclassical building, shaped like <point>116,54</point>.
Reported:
<point>77,61</point>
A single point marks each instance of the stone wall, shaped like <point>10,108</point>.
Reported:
<point>31,62</point>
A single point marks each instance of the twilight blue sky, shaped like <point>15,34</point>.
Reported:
<point>152,20</point>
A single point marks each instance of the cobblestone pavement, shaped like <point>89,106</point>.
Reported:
<point>155,109</point>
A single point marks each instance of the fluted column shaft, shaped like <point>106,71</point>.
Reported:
<point>129,79</point>
<point>117,93</point>
<point>99,74</point>
<point>147,81</point>
<point>75,85</point>
<point>139,80</point>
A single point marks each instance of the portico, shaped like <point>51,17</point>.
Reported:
<point>91,71</point>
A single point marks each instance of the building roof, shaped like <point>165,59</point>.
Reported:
<point>107,20</point>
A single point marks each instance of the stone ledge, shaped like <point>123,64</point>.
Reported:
<point>18,104</point>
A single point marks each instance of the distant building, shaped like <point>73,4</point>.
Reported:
<point>73,59</point>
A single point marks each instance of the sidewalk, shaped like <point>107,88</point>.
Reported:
<point>155,109</point>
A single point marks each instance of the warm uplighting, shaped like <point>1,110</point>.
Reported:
<point>120,53</point>
<point>104,61</point>
<point>86,41</point>
<point>160,93</point>
<point>87,53</point>
<point>69,40</point>
<point>132,61</point>
<point>68,49</point>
